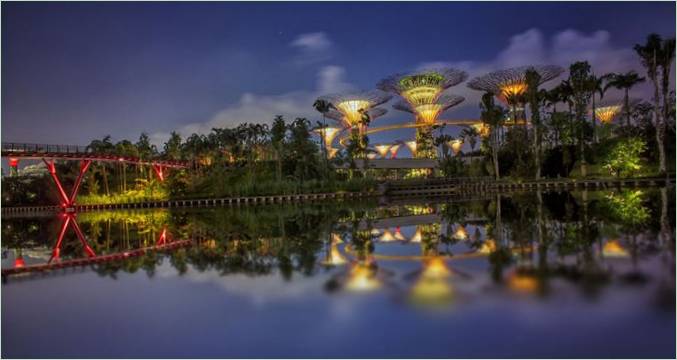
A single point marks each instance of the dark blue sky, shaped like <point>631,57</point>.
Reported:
<point>74,71</point>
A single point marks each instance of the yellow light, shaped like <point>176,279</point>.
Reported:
<point>351,110</point>
<point>460,233</point>
<point>428,113</point>
<point>432,288</point>
<point>387,236</point>
<point>371,156</point>
<point>487,247</point>
<point>513,88</point>
<point>362,278</point>
<point>614,248</point>
<point>334,257</point>
<point>328,134</point>
<point>481,129</point>
<point>331,152</point>
<point>455,145</point>
<point>422,95</point>
<point>523,283</point>
<point>382,149</point>
<point>210,244</point>
<point>398,235</point>
<point>412,146</point>
<point>607,114</point>
<point>393,150</point>
<point>417,237</point>
<point>435,268</point>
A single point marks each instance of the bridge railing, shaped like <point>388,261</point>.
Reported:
<point>44,148</point>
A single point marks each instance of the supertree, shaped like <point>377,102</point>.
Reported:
<point>349,108</point>
<point>422,93</point>
<point>607,114</point>
<point>509,86</point>
<point>428,114</point>
<point>356,110</point>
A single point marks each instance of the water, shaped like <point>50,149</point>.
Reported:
<point>416,279</point>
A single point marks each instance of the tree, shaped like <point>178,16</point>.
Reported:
<point>665,62</point>
<point>597,87</point>
<point>624,82</point>
<point>533,96</point>
<point>650,54</point>
<point>492,116</point>
<point>278,135</point>
<point>624,158</point>
<point>323,107</point>
<point>579,80</point>
<point>172,148</point>
<point>471,135</point>
<point>103,146</point>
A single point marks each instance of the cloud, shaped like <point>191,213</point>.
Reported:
<point>313,48</point>
<point>261,109</point>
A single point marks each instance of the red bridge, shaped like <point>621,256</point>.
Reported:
<point>51,153</point>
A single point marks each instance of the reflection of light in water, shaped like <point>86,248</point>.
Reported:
<point>432,287</point>
<point>362,277</point>
<point>398,235</point>
<point>614,248</point>
<point>487,247</point>
<point>334,257</point>
<point>435,268</point>
<point>460,233</point>
<point>417,237</point>
<point>375,231</point>
<point>522,282</point>
<point>387,236</point>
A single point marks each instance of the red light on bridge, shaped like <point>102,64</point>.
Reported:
<point>13,162</point>
<point>19,263</point>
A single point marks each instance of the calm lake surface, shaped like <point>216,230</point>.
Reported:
<point>585,274</point>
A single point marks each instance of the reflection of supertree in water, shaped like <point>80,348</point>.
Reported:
<point>422,94</point>
<point>509,86</point>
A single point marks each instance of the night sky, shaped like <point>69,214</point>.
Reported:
<point>76,71</point>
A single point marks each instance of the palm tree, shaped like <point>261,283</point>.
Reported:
<point>665,62</point>
<point>650,54</point>
<point>493,116</point>
<point>579,80</point>
<point>323,107</point>
<point>471,135</point>
<point>596,85</point>
<point>624,82</point>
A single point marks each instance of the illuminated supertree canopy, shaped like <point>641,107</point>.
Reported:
<point>349,107</point>
<point>607,114</point>
<point>428,113</point>
<point>422,87</point>
<point>341,118</point>
<point>608,111</point>
<point>510,82</point>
